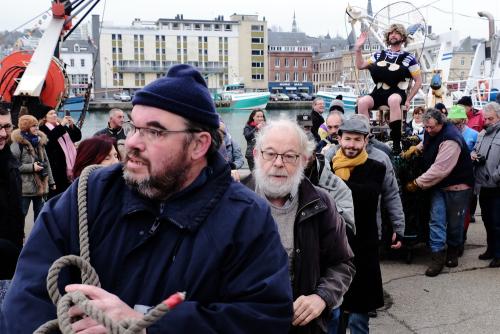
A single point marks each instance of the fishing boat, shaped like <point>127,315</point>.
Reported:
<point>239,98</point>
<point>35,81</point>
<point>349,96</point>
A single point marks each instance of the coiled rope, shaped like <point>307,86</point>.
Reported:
<point>90,277</point>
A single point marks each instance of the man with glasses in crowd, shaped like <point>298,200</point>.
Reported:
<point>486,158</point>
<point>11,216</point>
<point>169,219</point>
<point>311,230</point>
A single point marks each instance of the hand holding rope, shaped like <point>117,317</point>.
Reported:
<point>89,276</point>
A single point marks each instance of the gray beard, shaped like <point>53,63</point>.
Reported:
<point>273,191</point>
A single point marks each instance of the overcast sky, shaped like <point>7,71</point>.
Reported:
<point>313,17</point>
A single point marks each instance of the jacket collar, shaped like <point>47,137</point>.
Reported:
<point>189,208</point>
<point>310,202</point>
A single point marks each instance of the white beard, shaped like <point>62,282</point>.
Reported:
<point>272,189</point>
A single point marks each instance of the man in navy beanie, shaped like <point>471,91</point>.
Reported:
<point>169,219</point>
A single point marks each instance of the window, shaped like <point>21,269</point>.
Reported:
<point>76,48</point>
<point>295,76</point>
<point>295,62</point>
<point>304,76</point>
<point>462,61</point>
<point>205,39</point>
<point>82,62</point>
<point>207,27</point>
<point>276,76</point>
<point>257,64</point>
<point>217,27</point>
<point>286,62</point>
<point>197,26</point>
<point>287,76</point>
<point>257,27</point>
<point>258,76</point>
<point>257,52</point>
<point>304,62</point>
<point>276,62</point>
<point>227,27</point>
<point>187,26</point>
<point>258,40</point>
<point>72,62</point>
<point>113,37</point>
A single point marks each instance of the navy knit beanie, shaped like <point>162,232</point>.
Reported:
<point>183,92</point>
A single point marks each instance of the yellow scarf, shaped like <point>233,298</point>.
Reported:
<point>343,166</point>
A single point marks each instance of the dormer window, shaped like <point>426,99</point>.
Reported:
<point>76,48</point>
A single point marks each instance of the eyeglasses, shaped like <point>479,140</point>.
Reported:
<point>152,134</point>
<point>289,158</point>
<point>6,126</point>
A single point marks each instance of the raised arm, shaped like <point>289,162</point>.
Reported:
<point>361,64</point>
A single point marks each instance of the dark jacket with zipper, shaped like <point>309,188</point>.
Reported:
<point>322,261</point>
<point>215,240</point>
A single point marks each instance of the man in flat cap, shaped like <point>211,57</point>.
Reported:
<point>169,219</point>
<point>364,177</point>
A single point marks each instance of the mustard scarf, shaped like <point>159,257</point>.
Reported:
<point>343,166</point>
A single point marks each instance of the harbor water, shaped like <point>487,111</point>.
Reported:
<point>235,121</point>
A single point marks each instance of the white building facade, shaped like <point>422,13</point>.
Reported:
<point>131,57</point>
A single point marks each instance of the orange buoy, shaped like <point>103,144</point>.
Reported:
<point>12,69</point>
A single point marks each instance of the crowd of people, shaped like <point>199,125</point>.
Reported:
<point>291,248</point>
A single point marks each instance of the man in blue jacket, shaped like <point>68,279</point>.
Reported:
<point>170,219</point>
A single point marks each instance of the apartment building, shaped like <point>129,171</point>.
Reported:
<point>78,55</point>
<point>290,63</point>
<point>327,70</point>
<point>224,51</point>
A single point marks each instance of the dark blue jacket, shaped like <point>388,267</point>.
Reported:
<point>216,240</point>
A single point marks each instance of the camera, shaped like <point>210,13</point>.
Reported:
<point>479,161</point>
<point>45,171</point>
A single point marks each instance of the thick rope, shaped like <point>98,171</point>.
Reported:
<point>89,276</point>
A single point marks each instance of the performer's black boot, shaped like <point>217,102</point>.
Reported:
<point>395,127</point>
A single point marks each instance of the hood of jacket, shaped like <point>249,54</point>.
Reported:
<point>17,137</point>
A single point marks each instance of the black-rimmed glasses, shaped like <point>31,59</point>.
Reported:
<point>289,158</point>
<point>152,134</point>
<point>6,126</point>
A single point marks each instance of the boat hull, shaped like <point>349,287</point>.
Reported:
<point>250,101</point>
<point>74,105</point>
<point>348,99</point>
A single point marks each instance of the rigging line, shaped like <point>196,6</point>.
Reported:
<point>96,56</point>
<point>460,14</point>
<point>31,20</point>
<point>81,19</point>
<point>417,8</point>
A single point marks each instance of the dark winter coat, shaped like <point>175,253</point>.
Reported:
<point>33,184</point>
<point>365,293</point>
<point>322,262</point>
<point>56,154</point>
<point>216,240</point>
<point>11,216</point>
<point>317,120</point>
<point>249,132</point>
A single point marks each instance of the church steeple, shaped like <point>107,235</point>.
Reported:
<point>294,23</point>
<point>369,9</point>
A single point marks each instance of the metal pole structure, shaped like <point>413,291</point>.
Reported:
<point>106,78</point>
